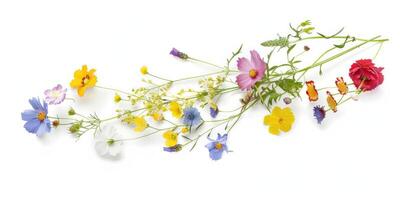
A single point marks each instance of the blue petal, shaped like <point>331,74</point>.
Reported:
<point>35,103</point>
<point>225,148</point>
<point>210,145</point>
<point>222,139</point>
<point>44,127</point>
<point>32,126</point>
<point>28,115</point>
<point>216,154</point>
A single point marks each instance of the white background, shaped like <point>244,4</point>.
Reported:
<point>355,154</point>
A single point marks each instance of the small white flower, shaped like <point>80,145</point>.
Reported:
<point>107,142</point>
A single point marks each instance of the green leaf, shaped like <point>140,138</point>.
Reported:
<point>290,86</point>
<point>290,49</point>
<point>280,42</point>
<point>328,37</point>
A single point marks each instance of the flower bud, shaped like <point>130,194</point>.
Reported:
<point>56,123</point>
<point>117,98</point>
<point>287,100</point>
<point>71,111</point>
<point>74,128</point>
<point>179,54</point>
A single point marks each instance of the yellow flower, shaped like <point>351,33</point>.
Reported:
<point>157,116</point>
<point>140,124</point>
<point>144,70</point>
<point>311,91</point>
<point>83,79</point>
<point>175,109</point>
<point>279,120</point>
<point>117,98</point>
<point>342,86</point>
<point>331,101</point>
<point>171,138</point>
<point>185,130</point>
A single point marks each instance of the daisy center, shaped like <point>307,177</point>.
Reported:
<point>252,73</point>
<point>41,116</point>
<point>218,146</point>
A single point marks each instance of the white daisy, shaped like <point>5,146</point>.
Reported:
<point>107,142</point>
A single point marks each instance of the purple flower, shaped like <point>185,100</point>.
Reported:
<point>56,95</point>
<point>36,119</point>
<point>214,110</point>
<point>319,113</point>
<point>217,147</point>
<point>175,148</point>
<point>177,53</point>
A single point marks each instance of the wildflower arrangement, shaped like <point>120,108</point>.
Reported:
<point>181,118</point>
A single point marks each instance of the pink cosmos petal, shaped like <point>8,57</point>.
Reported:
<point>256,60</point>
<point>244,81</point>
<point>244,65</point>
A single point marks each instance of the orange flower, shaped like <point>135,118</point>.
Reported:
<point>331,101</point>
<point>83,79</point>
<point>342,86</point>
<point>311,91</point>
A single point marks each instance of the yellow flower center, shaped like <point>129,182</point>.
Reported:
<point>281,120</point>
<point>41,116</point>
<point>218,146</point>
<point>85,80</point>
<point>252,73</point>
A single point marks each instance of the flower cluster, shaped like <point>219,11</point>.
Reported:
<point>183,118</point>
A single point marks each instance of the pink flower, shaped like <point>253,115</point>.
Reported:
<point>56,95</point>
<point>250,71</point>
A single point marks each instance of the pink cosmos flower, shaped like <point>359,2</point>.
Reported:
<point>250,71</point>
<point>56,95</point>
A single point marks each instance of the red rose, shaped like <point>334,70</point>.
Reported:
<point>365,73</point>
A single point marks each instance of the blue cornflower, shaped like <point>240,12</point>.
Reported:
<point>36,119</point>
<point>319,113</point>
<point>217,147</point>
<point>214,110</point>
<point>191,116</point>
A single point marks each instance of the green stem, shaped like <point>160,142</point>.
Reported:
<point>330,58</point>
<point>205,62</point>
<point>112,89</point>
<point>339,37</point>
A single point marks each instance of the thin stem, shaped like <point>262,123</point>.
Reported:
<point>112,89</point>
<point>330,58</point>
<point>161,78</point>
<point>205,62</point>
<point>339,37</point>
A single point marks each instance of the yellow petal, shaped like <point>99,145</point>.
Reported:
<point>288,115</point>
<point>285,127</point>
<point>75,83</point>
<point>274,130</point>
<point>81,91</point>
<point>271,120</point>
<point>276,111</point>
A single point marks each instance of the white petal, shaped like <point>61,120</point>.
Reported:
<point>115,148</point>
<point>101,147</point>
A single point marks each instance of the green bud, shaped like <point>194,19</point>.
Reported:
<point>71,111</point>
<point>74,128</point>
